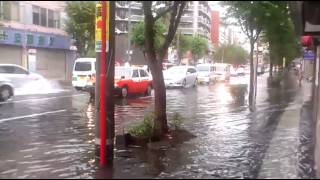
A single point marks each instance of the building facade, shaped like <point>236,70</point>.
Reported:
<point>215,25</point>
<point>195,20</point>
<point>32,35</point>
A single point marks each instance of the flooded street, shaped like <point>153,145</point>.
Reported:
<point>52,136</point>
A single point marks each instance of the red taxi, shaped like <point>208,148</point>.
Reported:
<point>128,80</point>
<point>132,80</point>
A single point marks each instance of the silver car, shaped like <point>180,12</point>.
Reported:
<point>6,89</point>
<point>18,76</point>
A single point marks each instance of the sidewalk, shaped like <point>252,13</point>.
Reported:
<point>288,155</point>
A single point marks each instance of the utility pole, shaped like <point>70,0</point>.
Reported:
<point>105,43</point>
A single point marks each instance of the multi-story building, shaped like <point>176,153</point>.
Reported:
<point>195,20</point>
<point>32,35</point>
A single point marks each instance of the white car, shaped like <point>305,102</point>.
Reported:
<point>6,89</point>
<point>205,73</point>
<point>181,76</point>
<point>19,76</point>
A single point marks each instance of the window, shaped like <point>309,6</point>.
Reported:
<point>6,70</point>
<point>43,15</point>
<point>36,15</point>
<point>50,19</point>
<point>143,73</point>
<point>12,70</point>
<point>56,17</point>
<point>18,70</point>
<point>191,70</point>
<point>135,73</point>
<point>83,66</point>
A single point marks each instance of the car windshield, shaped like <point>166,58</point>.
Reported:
<point>177,70</point>
<point>83,66</point>
<point>119,72</point>
<point>203,68</point>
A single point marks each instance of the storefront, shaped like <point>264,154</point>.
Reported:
<point>46,54</point>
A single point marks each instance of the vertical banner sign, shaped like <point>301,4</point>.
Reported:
<point>98,29</point>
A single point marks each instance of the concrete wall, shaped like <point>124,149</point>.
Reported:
<point>10,55</point>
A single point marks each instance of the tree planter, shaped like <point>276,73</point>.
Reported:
<point>136,141</point>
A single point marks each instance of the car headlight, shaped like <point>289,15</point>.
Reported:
<point>115,85</point>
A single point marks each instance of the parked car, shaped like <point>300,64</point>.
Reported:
<point>132,80</point>
<point>205,73</point>
<point>84,72</point>
<point>19,77</point>
<point>181,76</point>
<point>222,71</point>
<point>6,89</point>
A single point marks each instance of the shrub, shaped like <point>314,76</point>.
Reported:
<point>143,129</point>
<point>176,120</point>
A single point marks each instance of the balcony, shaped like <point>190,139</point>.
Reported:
<point>184,30</point>
<point>186,19</point>
<point>137,18</point>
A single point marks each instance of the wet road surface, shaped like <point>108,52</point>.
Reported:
<point>52,135</point>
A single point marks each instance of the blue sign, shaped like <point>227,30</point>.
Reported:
<point>31,39</point>
<point>308,55</point>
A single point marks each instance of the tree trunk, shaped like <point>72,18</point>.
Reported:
<point>252,76</point>
<point>160,116</point>
<point>271,69</point>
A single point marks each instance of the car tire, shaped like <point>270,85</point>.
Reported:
<point>148,91</point>
<point>78,88</point>
<point>184,83</point>
<point>124,92</point>
<point>5,93</point>
<point>195,83</point>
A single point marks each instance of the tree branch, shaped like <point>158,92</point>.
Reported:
<point>162,13</point>
<point>257,34</point>
<point>174,23</point>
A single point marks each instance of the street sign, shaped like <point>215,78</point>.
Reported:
<point>308,55</point>
<point>98,28</point>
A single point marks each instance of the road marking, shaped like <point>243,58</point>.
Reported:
<point>41,99</point>
<point>32,115</point>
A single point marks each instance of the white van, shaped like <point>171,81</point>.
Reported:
<point>205,73</point>
<point>84,73</point>
<point>222,71</point>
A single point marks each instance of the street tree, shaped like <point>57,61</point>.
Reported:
<point>248,15</point>
<point>280,34</point>
<point>199,47</point>
<point>137,34</point>
<point>154,54</point>
<point>81,25</point>
<point>183,43</point>
<point>232,54</point>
